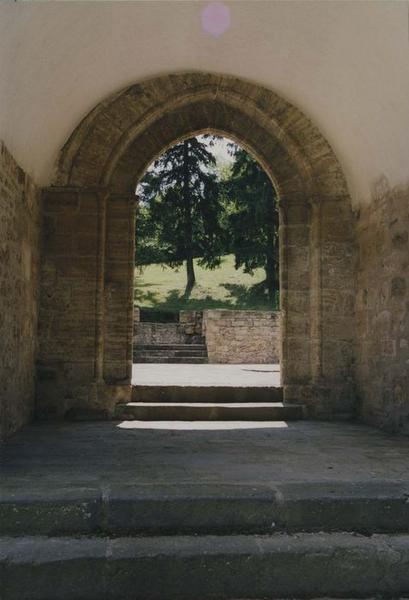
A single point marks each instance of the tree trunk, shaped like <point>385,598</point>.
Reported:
<point>190,271</point>
<point>191,279</point>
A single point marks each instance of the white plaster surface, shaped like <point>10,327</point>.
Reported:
<point>345,64</point>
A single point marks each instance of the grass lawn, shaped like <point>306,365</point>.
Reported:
<point>162,288</point>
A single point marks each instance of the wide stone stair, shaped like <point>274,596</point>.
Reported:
<point>205,542</point>
<point>208,411</point>
<point>171,353</point>
<point>207,403</point>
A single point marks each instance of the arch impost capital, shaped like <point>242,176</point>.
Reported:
<point>290,203</point>
<point>295,199</point>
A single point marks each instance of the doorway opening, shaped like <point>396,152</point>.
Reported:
<point>206,287</point>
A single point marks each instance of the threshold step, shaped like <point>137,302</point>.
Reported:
<point>208,411</point>
<point>305,565</point>
<point>193,394</point>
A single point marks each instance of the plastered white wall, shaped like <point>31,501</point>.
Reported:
<point>345,64</point>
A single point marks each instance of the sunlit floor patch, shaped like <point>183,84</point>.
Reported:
<point>202,425</point>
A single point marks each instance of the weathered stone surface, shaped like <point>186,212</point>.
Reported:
<point>19,265</point>
<point>117,303</point>
<point>383,308</point>
<point>161,333</point>
<point>226,567</point>
<point>68,303</point>
<point>197,392</point>
<point>242,336</point>
<point>180,342</point>
<point>208,411</point>
<point>206,508</point>
<point>111,148</point>
<point>192,321</point>
<point>314,474</point>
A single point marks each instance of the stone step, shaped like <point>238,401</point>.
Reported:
<point>206,508</point>
<point>155,359</point>
<point>189,394</point>
<point>170,342</point>
<point>202,352</point>
<point>148,347</point>
<point>210,411</point>
<point>170,352</point>
<point>305,565</point>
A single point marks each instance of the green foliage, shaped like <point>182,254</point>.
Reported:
<point>192,212</point>
<point>179,215</point>
<point>252,218</point>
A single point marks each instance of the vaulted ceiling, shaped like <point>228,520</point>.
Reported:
<point>344,64</point>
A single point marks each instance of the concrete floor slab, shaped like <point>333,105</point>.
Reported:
<point>206,375</point>
<point>135,477</point>
<point>51,455</point>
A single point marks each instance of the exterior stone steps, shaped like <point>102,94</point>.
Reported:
<point>174,352</point>
<point>146,333</point>
<point>155,358</point>
<point>162,347</point>
<point>170,353</point>
<point>189,394</point>
<point>115,531</point>
<point>305,565</point>
<point>195,411</point>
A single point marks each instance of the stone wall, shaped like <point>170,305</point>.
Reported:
<point>191,321</point>
<point>85,321</point>
<point>187,331</point>
<point>383,309</point>
<point>158,333</point>
<point>19,258</point>
<point>67,322</point>
<point>242,336</point>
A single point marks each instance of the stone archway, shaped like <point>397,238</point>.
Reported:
<point>89,239</point>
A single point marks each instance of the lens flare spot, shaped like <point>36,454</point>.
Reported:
<point>215,18</point>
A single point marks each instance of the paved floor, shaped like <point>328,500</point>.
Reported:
<point>206,375</point>
<point>66,455</point>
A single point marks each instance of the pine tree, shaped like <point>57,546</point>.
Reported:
<point>179,218</point>
<point>253,219</point>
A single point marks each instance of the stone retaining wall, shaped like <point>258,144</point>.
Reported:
<point>242,336</point>
<point>158,333</point>
<point>19,266</point>
<point>191,321</point>
<point>232,336</point>
<point>188,330</point>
